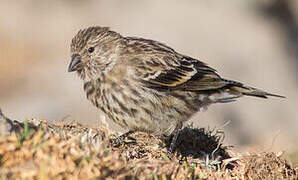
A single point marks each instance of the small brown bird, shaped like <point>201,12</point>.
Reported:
<point>144,85</point>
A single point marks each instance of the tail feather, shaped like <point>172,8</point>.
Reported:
<point>233,90</point>
<point>250,91</point>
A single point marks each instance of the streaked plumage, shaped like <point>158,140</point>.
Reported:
<point>144,85</point>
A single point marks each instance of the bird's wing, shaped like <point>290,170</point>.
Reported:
<point>158,66</point>
<point>178,72</point>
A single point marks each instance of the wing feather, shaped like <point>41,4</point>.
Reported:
<point>181,74</point>
<point>161,67</point>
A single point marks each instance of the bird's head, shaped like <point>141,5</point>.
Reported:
<point>92,51</point>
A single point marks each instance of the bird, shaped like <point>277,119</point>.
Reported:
<point>145,85</point>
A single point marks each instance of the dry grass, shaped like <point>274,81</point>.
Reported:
<point>40,150</point>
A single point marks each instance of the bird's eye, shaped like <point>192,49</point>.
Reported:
<point>91,49</point>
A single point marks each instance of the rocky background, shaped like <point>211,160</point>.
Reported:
<point>254,42</point>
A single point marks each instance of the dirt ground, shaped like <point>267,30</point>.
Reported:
<point>41,150</point>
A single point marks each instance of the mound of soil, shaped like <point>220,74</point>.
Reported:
<point>41,150</point>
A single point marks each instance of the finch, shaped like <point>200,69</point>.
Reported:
<point>144,85</point>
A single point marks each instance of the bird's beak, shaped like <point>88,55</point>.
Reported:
<point>76,63</point>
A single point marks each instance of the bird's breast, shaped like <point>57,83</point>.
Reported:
<point>135,107</point>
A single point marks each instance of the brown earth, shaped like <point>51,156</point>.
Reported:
<point>42,150</point>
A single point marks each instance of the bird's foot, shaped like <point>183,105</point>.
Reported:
<point>118,141</point>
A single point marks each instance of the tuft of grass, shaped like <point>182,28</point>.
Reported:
<point>25,134</point>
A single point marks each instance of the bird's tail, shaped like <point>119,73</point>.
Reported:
<point>249,91</point>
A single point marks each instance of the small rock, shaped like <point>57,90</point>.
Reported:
<point>6,125</point>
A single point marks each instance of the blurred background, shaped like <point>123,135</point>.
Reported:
<point>255,42</point>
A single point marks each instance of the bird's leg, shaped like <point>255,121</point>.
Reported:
<point>120,139</point>
<point>174,141</point>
